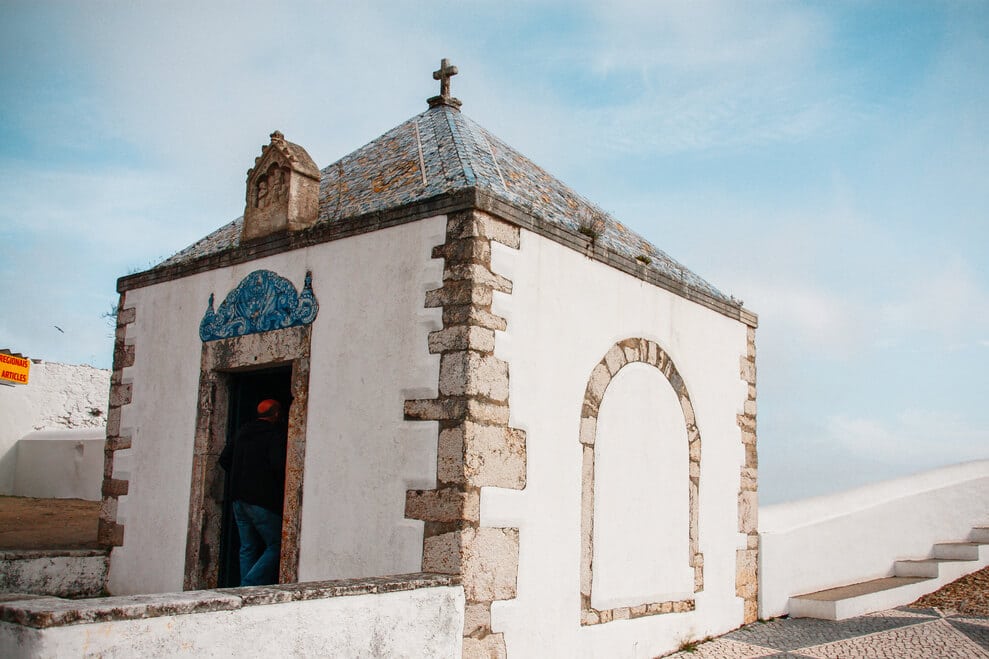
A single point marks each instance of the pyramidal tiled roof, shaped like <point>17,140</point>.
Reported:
<point>442,151</point>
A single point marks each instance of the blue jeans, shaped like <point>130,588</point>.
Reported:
<point>260,532</point>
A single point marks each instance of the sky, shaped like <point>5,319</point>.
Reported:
<point>825,162</point>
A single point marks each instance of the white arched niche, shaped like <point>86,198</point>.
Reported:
<point>641,544</point>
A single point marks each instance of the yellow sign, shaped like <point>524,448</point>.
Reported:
<point>14,369</point>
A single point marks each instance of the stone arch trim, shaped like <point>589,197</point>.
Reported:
<point>621,354</point>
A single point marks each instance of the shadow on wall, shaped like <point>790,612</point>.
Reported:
<point>8,469</point>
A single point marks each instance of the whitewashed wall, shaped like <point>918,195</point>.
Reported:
<point>853,536</point>
<point>564,313</point>
<point>60,464</point>
<point>368,355</point>
<point>57,397</point>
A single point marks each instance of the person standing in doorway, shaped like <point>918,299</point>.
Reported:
<point>255,459</point>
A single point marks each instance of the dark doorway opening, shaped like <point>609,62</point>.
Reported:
<point>247,389</point>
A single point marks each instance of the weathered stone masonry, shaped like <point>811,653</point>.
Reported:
<point>747,560</point>
<point>111,534</point>
<point>629,351</point>
<point>476,447</point>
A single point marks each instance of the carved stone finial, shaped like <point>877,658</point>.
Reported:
<point>282,190</point>
<point>445,72</point>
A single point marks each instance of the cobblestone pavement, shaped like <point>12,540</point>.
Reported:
<point>902,633</point>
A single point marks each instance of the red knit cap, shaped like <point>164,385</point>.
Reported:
<point>268,407</point>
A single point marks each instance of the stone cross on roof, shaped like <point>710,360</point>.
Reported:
<point>445,72</point>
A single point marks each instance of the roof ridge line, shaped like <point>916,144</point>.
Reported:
<point>422,161</point>
<point>458,143</point>
<point>494,159</point>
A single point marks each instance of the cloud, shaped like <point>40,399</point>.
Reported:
<point>122,212</point>
<point>916,437</point>
<point>69,234</point>
<point>701,36</point>
<point>708,75</point>
<point>654,79</point>
<point>245,72</point>
<point>947,304</point>
<point>806,316</point>
<point>723,114</point>
<point>57,282</point>
<point>153,114</point>
<point>805,457</point>
<point>939,311</point>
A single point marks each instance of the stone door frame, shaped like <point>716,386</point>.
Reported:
<point>219,361</point>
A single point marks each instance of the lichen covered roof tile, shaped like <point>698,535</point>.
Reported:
<point>443,151</point>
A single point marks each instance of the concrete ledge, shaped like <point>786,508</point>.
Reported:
<point>45,612</point>
<point>54,572</point>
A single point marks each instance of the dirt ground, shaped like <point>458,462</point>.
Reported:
<point>27,523</point>
<point>968,595</point>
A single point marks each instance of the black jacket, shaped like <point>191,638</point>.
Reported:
<point>255,460</point>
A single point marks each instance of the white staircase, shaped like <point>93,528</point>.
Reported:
<point>911,579</point>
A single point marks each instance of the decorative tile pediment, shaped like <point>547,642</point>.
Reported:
<point>262,301</point>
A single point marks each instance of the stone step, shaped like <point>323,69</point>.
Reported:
<point>852,600</point>
<point>980,534</point>
<point>966,551</point>
<point>925,567</point>
<point>913,578</point>
<point>54,572</point>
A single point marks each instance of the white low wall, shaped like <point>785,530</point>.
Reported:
<point>320,619</point>
<point>58,396</point>
<point>853,536</point>
<point>60,464</point>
